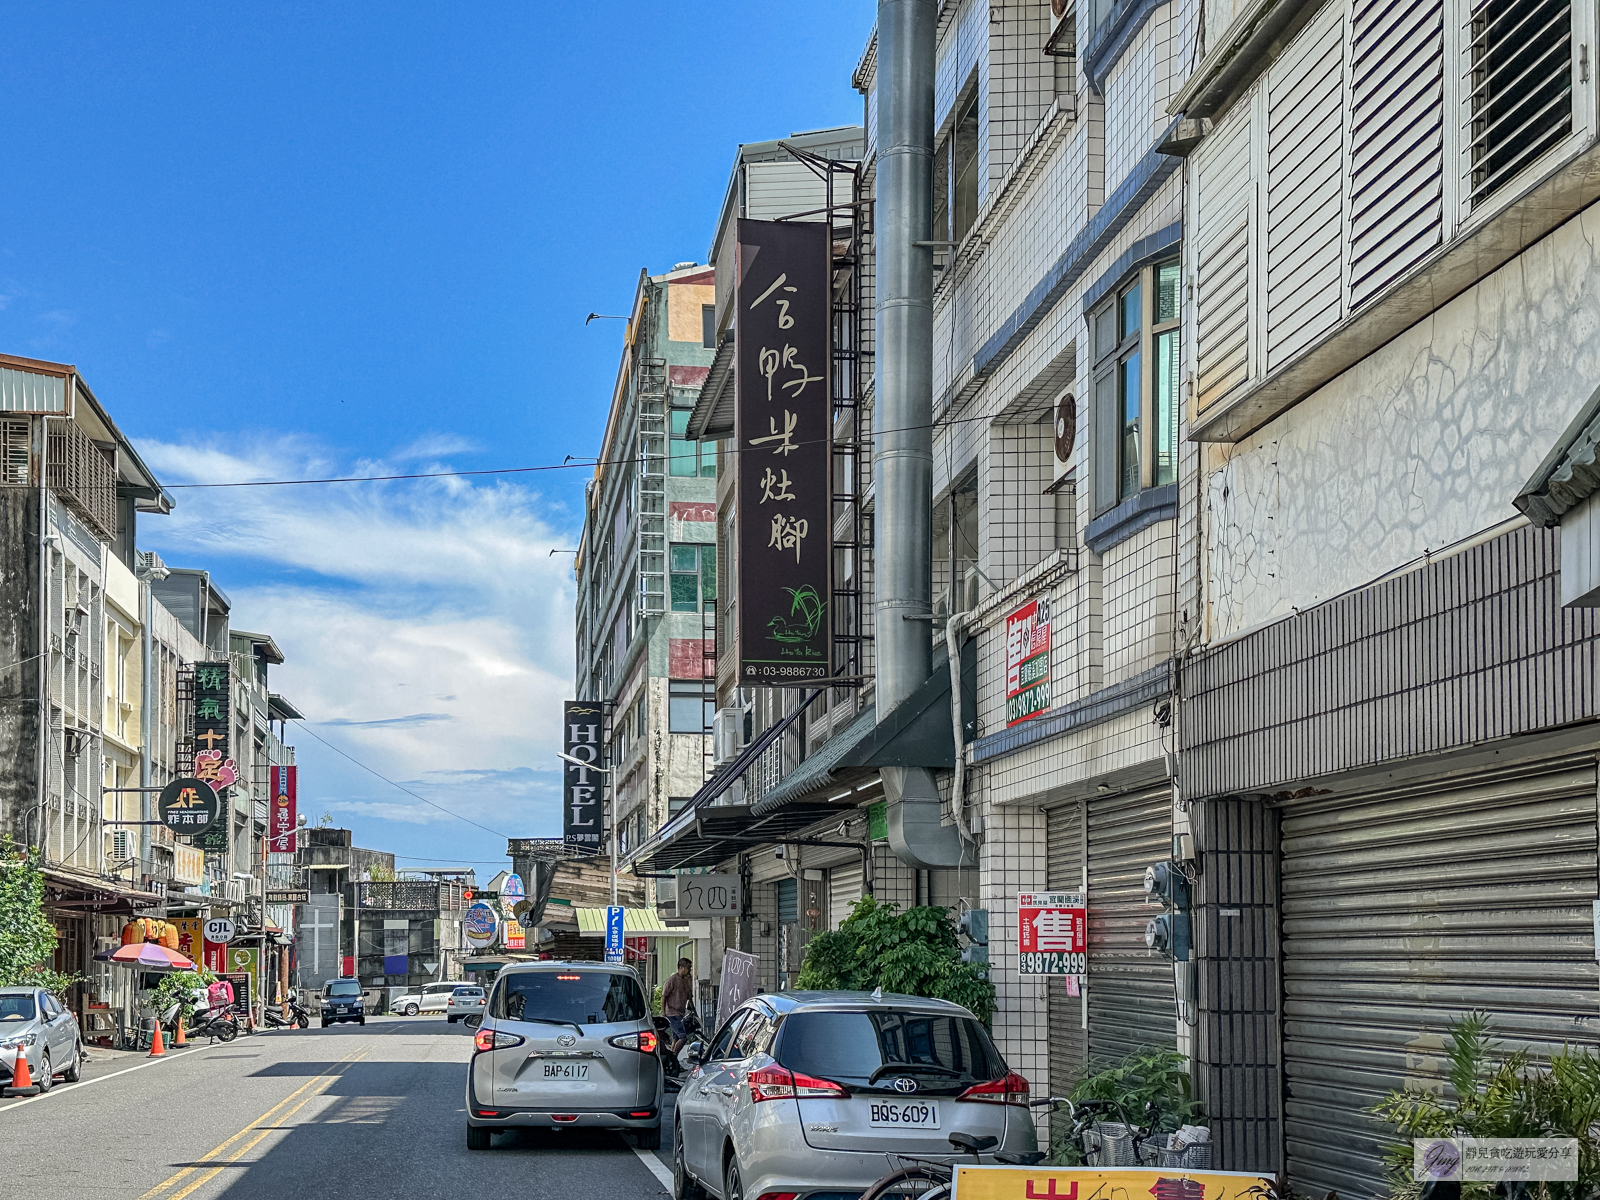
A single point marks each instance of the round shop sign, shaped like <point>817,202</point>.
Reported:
<point>219,930</point>
<point>188,806</point>
<point>480,923</point>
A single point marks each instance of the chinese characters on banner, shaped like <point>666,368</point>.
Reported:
<point>212,760</point>
<point>1052,934</point>
<point>1027,661</point>
<point>284,783</point>
<point>784,430</point>
<point>581,809</point>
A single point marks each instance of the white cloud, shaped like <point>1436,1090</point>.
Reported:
<point>424,623</point>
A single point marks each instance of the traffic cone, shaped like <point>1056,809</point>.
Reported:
<point>22,1077</point>
<point>157,1046</point>
<point>179,1040</point>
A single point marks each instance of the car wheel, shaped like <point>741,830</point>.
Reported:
<point>411,1010</point>
<point>684,1186</point>
<point>75,1072</point>
<point>449,1019</point>
<point>732,1185</point>
<point>325,1024</point>
<point>363,1021</point>
<point>648,1139</point>
<point>44,1078</point>
<point>478,1137</point>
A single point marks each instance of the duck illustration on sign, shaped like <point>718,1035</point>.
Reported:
<point>805,615</point>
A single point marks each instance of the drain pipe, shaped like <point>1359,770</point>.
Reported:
<point>903,412</point>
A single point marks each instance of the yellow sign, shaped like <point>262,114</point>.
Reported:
<point>241,960</point>
<point>1117,1183</point>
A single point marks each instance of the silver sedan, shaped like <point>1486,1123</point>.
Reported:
<point>807,1093</point>
<point>35,1025</point>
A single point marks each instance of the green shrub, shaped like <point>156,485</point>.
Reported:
<point>1149,1075</point>
<point>27,938</point>
<point>914,953</point>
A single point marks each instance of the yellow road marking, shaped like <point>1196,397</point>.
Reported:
<point>324,1080</point>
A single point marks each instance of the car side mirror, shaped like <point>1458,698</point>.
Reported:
<point>694,1053</point>
<point>472,1020</point>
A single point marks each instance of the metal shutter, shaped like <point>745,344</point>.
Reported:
<point>1396,140</point>
<point>1064,871</point>
<point>845,885</point>
<point>1408,908</point>
<point>1132,1001</point>
<point>1224,201</point>
<point>1304,200</point>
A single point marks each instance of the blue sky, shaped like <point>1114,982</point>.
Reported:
<point>294,240</point>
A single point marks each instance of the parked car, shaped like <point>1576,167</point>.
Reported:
<point>37,1026</point>
<point>429,998</point>
<point>342,1001</point>
<point>805,1092</point>
<point>466,1000</point>
<point>565,1044</point>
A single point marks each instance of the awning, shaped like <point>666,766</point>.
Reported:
<point>69,891</point>
<point>636,922</point>
<point>711,419</point>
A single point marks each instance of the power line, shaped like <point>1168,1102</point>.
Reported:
<point>307,728</point>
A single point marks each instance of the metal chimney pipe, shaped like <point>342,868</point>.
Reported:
<point>903,413</point>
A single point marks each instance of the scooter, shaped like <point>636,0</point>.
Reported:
<point>297,1015</point>
<point>218,1025</point>
<point>672,1066</point>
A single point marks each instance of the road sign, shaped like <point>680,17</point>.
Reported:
<point>1052,933</point>
<point>614,917</point>
<point>188,806</point>
<point>708,896</point>
<point>219,930</point>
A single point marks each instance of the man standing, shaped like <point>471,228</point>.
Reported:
<point>677,998</point>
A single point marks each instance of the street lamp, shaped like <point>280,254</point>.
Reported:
<point>578,762</point>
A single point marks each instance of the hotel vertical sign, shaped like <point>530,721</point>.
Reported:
<point>783,428</point>
<point>581,816</point>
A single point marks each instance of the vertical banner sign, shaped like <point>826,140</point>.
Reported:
<point>614,916</point>
<point>1052,933</point>
<point>784,429</point>
<point>213,760</point>
<point>580,735</point>
<point>1027,661</point>
<point>285,808</point>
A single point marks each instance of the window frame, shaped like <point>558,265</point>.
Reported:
<point>701,454</point>
<point>688,690</point>
<point>704,601</point>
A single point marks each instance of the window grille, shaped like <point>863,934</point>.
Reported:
<point>1519,101</point>
<point>84,476</point>
<point>14,456</point>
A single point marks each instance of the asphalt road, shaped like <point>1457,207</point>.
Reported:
<point>340,1113</point>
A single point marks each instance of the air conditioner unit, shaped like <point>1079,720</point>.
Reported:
<point>971,593</point>
<point>726,728</point>
<point>121,845</point>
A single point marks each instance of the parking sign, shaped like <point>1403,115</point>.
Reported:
<point>1052,933</point>
<point>614,933</point>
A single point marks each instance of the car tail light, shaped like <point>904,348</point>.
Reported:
<point>777,1196</point>
<point>642,1113</point>
<point>564,1118</point>
<point>488,1039</point>
<point>1012,1089</point>
<point>778,1083</point>
<point>644,1042</point>
<point>488,1112</point>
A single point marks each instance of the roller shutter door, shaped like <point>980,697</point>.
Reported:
<point>1406,908</point>
<point>845,885</point>
<point>1132,1001</point>
<point>1064,872</point>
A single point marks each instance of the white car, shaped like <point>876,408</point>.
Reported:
<point>464,1002</point>
<point>429,998</point>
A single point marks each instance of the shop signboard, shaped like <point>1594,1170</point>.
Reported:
<point>219,930</point>
<point>708,896</point>
<point>213,760</point>
<point>479,923</point>
<point>511,895</point>
<point>191,937</point>
<point>516,936</point>
<point>783,427</point>
<point>580,811</point>
<point>188,864</point>
<point>284,784</point>
<point>636,949</point>
<point>288,896</point>
<point>242,992</point>
<point>1085,1183</point>
<point>1052,933</point>
<point>738,979</point>
<point>1027,661</point>
<point>188,806</point>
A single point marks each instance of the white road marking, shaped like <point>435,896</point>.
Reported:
<point>657,1167</point>
<point>72,1087</point>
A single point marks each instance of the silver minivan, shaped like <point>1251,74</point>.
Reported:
<point>565,1044</point>
<point>806,1093</point>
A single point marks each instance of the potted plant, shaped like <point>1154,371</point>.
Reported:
<point>1150,1093</point>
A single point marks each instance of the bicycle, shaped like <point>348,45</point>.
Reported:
<point>917,1178</point>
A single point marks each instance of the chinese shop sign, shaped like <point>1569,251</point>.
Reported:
<point>1085,1183</point>
<point>1027,661</point>
<point>189,807</point>
<point>284,782</point>
<point>1052,933</point>
<point>784,430</point>
<point>212,748</point>
<point>580,810</point>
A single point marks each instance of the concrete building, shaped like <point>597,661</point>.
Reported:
<point>646,566</point>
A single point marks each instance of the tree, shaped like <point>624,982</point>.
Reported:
<point>27,939</point>
<point>914,953</point>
